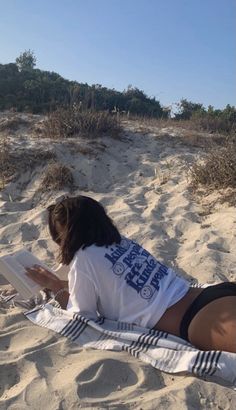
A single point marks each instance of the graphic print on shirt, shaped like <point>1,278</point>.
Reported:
<point>137,267</point>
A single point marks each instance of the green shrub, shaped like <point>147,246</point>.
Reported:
<point>216,120</point>
<point>187,109</point>
<point>210,120</point>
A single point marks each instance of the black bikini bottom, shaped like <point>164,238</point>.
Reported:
<point>206,296</point>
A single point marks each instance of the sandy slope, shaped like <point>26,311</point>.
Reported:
<point>141,180</point>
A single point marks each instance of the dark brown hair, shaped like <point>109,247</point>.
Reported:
<point>78,222</point>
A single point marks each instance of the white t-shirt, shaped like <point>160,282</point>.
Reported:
<point>122,282</point>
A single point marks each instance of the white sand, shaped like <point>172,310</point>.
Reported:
<point>141,180</point>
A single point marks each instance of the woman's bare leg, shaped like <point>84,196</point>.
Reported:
<point>214,326</point>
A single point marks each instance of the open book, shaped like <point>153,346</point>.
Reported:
<point>12,267</point>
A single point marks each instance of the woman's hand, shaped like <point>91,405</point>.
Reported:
<point>45,278</point>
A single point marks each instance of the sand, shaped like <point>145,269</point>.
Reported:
<point>141,179</point>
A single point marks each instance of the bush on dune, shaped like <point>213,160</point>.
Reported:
<point>56,176</point>
<point>218,169</point>
<point>12,123</point>
<point>71,121</point>
<point>210,119</point>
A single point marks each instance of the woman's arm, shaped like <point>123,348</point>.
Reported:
<point>50,281</point>
<point>65,284</point>
<point>62,297</point>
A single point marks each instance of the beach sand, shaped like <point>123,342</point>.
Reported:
<point>141,178</point>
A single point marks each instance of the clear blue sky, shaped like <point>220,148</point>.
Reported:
<point>168,48</point>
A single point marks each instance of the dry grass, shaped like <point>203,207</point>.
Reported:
<point>184,131</point>
<point>163,175</point>
<point>7,167</point>
<point>147,123</point>
<point>194,138</point>
<point>56,176</point>
<point>208,124</point>
<point>217,170</point>
<point>12,123</point>
<point>213,124</point>
<point>71,122</point>
<point>12,163</point>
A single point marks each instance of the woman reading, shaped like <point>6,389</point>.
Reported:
<point>113,276</point>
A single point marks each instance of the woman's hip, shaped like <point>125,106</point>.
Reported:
<point>210,321</point>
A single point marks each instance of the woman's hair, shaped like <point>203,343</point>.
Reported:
<point>79,222</point>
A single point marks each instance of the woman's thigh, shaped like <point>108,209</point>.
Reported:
<point>214,326</point>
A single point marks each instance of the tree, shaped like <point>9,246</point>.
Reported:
<point>187,109</point>
<point>26,60</point>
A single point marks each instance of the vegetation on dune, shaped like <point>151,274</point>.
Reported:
<point>56,176</point>
<point>217,170</point>
<point>25,88</point>
<point>74,108</point>
<point>210,119</point>
<point>71,121</point>
<point>13,162</point>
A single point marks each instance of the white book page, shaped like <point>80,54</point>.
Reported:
<point>28,260</point>
<point>15,274</point>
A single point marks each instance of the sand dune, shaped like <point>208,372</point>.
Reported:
<point>141,180</point>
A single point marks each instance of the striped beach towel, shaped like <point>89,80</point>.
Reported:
<point>160,349</point>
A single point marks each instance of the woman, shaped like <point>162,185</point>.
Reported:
<point>115,277</point>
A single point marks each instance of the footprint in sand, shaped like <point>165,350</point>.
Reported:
<point>219,246</point>
<point>113,379</point>
<point>29,232</point>
<point>15,379</point>
<point>96,380</point>
<point>9,377</point>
